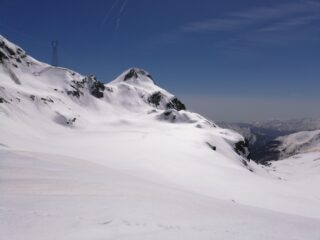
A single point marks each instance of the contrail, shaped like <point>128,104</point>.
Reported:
<point>122,8</point>
<point>106,16</point>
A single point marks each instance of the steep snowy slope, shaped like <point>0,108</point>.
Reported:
<point>126,160</point>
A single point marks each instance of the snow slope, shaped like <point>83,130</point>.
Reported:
<point>126,160</point>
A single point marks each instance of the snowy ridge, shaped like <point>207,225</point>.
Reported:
<point>126,160</point>
<point>66,97</point>
<point>301,142</point>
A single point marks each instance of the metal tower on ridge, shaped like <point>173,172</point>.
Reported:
<point>54,60</point>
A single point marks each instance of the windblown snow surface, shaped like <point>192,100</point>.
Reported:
<point>125,160</point>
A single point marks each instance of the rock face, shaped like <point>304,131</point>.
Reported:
<point>242,148</point>
<point>173,103</point>
<point>95,87</point>
<point>134,73</point>
<point>10,52</point>
<point>156,98</point>
<point>176,104</point>
<point>2,100</point>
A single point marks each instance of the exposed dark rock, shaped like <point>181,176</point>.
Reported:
<point>214,148</point>
<point>242,148</point>
<point>155,98</point>
<point>167,113</point>
<point>9,50</point>
<point>149,76</point>
<point>131,74</point>
<point>176,104</point>
<point>2,56</point>
<point>46,100</point>
<point>20,51</point>
<point>75,93</point>
<point>71,121</point>
<point>76,85</point>
<point>244,162</point>
<point>96,87</point>
<point>2,100</point>
<point>33,97</point>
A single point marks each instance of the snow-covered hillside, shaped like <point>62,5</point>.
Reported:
<point>297,143</point>
<point>125,160</point>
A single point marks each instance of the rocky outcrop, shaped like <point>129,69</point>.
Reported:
<point>95,87</point>
<point>176,104</point>
<point>134,73</point>
<point>155,98</point>
<point>242,148</point>
<point>7,52</point>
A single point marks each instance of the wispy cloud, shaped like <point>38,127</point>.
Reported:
<point>106,16</point>
<point>267,18</point>
<point>290,24</point>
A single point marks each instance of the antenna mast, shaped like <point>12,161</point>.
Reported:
<point>54,60</point>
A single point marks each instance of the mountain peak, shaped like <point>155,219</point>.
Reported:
<point>136,73</point>
<point>135,76</point>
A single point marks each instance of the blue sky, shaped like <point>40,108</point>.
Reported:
<point>230,60</point>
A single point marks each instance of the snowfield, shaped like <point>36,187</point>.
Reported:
<point>125,160</point>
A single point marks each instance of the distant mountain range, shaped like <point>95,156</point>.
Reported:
<point>266,139</point>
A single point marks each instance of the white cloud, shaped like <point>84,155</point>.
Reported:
<point>278,17</point>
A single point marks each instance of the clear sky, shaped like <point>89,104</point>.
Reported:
<point>230,60</point>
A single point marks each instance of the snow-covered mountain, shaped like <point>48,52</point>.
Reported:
<point>296,143</point>
<point>80,159</point>
<point>41,97</point>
